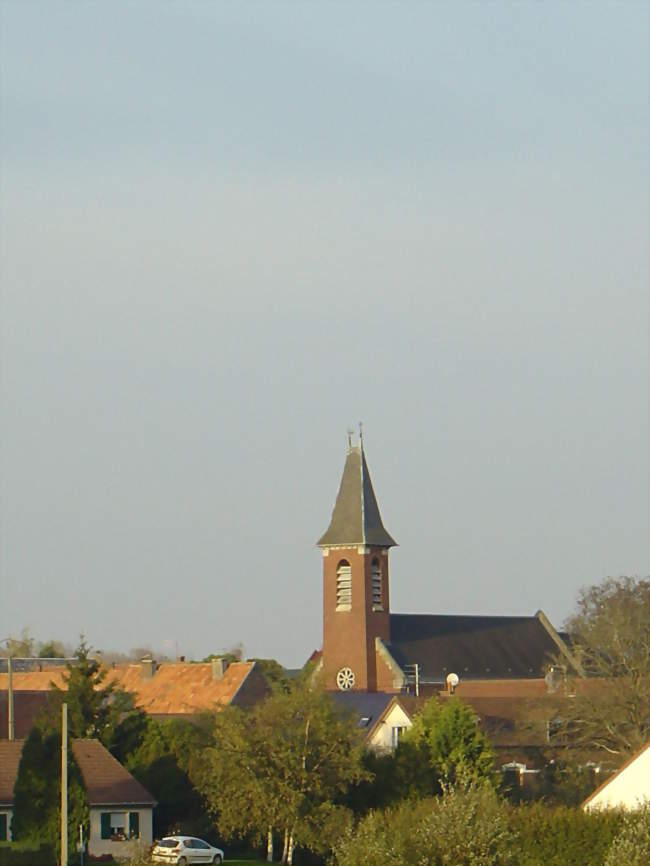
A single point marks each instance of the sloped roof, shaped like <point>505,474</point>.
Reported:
<point>474,647</point>
<point>627,788</point>
<point>176,688</point>
<point>356,518</point>
<point>105,779</point>
<point>10,752</point>
<point>27,705</point>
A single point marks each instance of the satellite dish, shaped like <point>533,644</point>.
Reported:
<point>452,682</point>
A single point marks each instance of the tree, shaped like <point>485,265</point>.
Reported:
<point>51,649</point>
<point>444,744</point>
<point>37,793</point>
<point>609,709</point>
<point>167,758</point>
<point>283,768</point>
<point>96,708</point>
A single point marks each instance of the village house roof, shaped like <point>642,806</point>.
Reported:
<point>356,519</point>
<point>10,752</point>
<point>473,647</point>
<point>173,688</point>
<point>106,781</point>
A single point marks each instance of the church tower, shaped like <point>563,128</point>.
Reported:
<point>356,603</point>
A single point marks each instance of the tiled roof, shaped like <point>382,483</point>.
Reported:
<point>476,647</point>
<point>356,518</point>
<point>27,705</point>
<point>105,779</point>
<point>175,688</point>
<point>10,751</point>
<point>180,688</point>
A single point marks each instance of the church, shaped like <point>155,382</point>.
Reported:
<point>367,648</point>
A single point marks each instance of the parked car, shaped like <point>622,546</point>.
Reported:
<point>183,850</point>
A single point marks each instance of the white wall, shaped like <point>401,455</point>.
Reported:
<point>9,813</point>
<point>382,737</point>
<point>119,850</point>
<point>628,789</point>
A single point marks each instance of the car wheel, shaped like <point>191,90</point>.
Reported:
<point>217,859</point>
<point>182,861</point>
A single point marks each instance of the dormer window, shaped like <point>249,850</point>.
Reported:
<point>344,586</point>
<point>377,595</point>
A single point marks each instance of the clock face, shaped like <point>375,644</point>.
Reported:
<point>345,679</point>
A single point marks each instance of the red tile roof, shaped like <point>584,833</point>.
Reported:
<point>176,688</point>
<point>106,781</point>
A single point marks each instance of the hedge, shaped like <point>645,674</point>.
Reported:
<point>562,836</point>
<point>23,854</point>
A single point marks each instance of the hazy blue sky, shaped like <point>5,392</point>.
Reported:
<point>231,230</point>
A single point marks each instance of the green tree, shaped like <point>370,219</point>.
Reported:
<point>51,649</point>
<point>96,709</point>
<point>167,757</point>
<point>37,793</point>
<point>609,709</point>
<point>283,768</point>
<point>444,744</point>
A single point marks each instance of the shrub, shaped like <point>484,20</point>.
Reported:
<point>17,854</point>
<point>463,827</point>
<point>561,835</point>
<point>631,847</point>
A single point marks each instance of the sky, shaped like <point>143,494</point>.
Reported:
<point>231,231</point>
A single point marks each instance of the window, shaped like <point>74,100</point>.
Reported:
<point>377,600</point>
<point>344,586</point>
<point>396,735</point>
<point>120,826</point>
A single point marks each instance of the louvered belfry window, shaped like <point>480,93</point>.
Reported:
<point>344,586</point>
<point>377,600</point>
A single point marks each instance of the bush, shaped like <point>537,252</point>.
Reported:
<point>17,854</point>
<point>631,847</point>
<point>461,828</point>
<point>561,835</point>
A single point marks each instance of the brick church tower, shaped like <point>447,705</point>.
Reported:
<point>356,602</point>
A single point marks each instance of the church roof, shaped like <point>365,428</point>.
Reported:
<point>356,518</point>
<point>474,647</point>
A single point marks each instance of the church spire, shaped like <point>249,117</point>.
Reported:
<point>356,519</point>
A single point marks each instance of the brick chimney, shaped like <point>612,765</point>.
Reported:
<point>219,668</point>
<point>148,668</point>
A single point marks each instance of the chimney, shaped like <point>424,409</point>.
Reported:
<point>147,668</point>
<point>219,668</point>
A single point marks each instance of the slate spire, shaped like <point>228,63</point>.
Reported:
<point>356,519</point>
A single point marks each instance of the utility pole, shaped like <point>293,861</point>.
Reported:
<point>64,785</point>
<point>10,696</point>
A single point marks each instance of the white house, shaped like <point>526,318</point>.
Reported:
<point>627,789</point>
<point>10,752</point>
<point>121,810</point>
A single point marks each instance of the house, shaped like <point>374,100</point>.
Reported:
<point>628,788</point>
<point>382,716</point>
<point>366,647</point>
<point>166,690</point>
<point>121,810</point>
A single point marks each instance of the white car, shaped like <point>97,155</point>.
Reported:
<point>183,850</point>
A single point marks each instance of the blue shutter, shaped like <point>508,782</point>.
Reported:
<point>106,825</point>
<point>3,827</point>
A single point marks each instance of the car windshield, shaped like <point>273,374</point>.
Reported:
<point>168,843</point>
